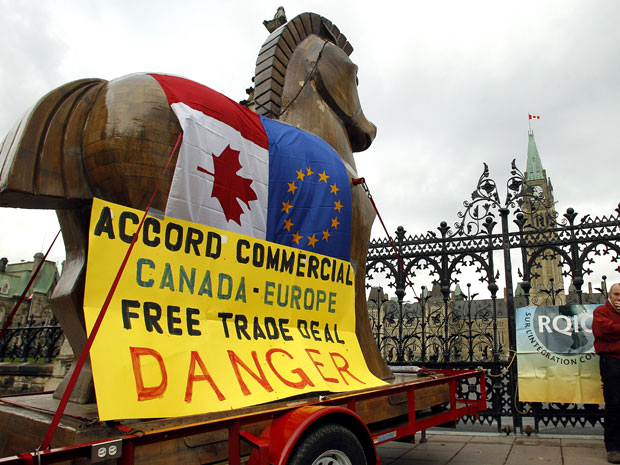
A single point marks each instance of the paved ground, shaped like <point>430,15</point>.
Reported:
<point>458,448</point>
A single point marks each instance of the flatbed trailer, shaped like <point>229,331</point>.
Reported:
<point>337,428</point>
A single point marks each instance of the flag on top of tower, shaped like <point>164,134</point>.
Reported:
<point>534,117</point>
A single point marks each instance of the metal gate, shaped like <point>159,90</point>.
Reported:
<point>450,326</point>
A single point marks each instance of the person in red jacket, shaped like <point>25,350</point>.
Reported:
<point>606,330</point>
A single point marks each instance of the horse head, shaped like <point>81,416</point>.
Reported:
<point>336,79</point>
<point>304,77</point>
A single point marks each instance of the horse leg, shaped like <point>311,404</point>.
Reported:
<point>67,300</point>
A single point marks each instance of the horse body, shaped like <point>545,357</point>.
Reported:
<point>91,138</point>
<point>113,139</point>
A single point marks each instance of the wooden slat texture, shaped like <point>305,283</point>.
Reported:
<point>48,175</point>
<point>274,75</point>
<point>316,21</point>
<point>124,161</point>
<point>272,41</point>
<point>33,164</point>
<point>7,153</point>
<point>306,23</point>
<point>275,89</point>
<point>73,165</point>
<point>272,61</point>
<point>279,43</point>
<point>298,34</point>
<point>287,42</point>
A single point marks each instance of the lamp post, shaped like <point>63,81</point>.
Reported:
<point>552,292</point>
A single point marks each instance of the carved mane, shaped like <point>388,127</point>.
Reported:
<point>277,50</point>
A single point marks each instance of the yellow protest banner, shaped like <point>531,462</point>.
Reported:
<point>205,320</point>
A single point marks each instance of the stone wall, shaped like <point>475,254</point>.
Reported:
<point>16,378</point>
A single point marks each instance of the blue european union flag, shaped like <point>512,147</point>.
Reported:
<point>309,203</point>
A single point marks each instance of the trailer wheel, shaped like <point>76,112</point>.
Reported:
<point>330,444</point>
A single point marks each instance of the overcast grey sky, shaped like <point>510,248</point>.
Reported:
<point>449,85</point>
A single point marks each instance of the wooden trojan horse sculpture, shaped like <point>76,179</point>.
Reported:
<point>111,140</point>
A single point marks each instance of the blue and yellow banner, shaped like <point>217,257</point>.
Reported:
<point>206,320</point>
<point>556,359</point>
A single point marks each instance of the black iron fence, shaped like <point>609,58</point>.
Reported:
<point>33,342</point>
<point>450,325</point>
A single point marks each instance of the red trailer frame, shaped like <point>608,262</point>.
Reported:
<point>287,425</point>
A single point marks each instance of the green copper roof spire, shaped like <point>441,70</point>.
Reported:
<point>534,165</point>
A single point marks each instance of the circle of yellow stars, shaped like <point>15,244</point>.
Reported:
<point>287,206</point>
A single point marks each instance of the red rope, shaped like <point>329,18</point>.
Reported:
<point>362,182</point>
<point>89,342</point>
<point>27,457</point>
<point>21,298</point>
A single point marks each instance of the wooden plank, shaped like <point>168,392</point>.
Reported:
<point>23,157</point>
<point>316,23</point>
<point>118,159</point>
<point>7,153</point>
<point>48,174</point>
<point>276,51</point>
<point>270,62</point>
<point>293,30</point>
<point>272,40</point>
<point>268,92</point>
<point>72,161</point>
<point>298,26</point>
<point>270,75</point>
<point>306,22</point>
<point>287,42</point>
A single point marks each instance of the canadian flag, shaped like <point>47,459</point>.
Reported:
<point>534,117</point>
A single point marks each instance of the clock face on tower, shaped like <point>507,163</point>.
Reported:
<point>537,192</point>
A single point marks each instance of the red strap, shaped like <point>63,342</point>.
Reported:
<point>27,457</point>
<point>123,428</point>
<point>362,181</point>
<point>23,296</point>
<point>89,342</point>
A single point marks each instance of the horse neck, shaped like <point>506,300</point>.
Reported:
<point>306,109</point>
<point>314,116</point>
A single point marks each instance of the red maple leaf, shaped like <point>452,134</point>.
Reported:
<point>228,186</point>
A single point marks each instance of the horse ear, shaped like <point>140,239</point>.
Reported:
<point>336,79</point>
